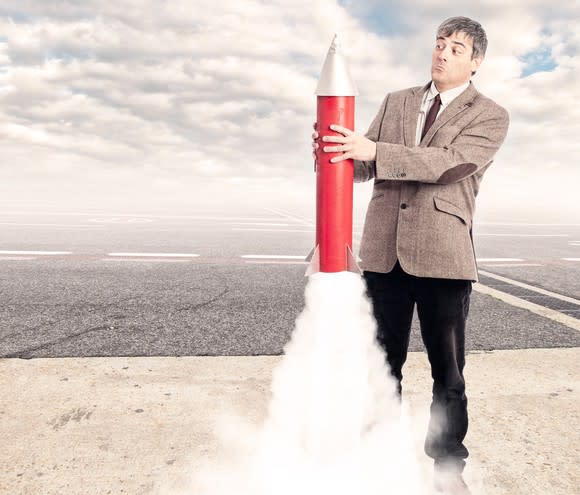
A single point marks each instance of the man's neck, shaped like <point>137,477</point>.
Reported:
<point>443,89</point>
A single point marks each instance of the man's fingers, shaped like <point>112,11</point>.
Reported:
<point>340,158</point>
<point>334,139</point>
<point>330,149</point>
<point>342,130</point>
<point>314,135</point>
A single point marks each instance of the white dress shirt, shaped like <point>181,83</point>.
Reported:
<point>446,98</point>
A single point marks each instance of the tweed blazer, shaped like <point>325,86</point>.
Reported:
<point>423,201</point>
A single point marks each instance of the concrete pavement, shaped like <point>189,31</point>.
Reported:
<point>83,426</point>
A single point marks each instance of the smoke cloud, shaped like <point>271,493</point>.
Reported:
<point>335,423</point>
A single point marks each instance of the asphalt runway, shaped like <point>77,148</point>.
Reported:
<point>214,283</point>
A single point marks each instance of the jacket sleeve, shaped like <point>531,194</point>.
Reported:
<point>472,149</point>
<point>364,171</point>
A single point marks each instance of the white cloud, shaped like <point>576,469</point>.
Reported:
<point>184,102</point>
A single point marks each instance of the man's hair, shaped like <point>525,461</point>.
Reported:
<point>468,26</point>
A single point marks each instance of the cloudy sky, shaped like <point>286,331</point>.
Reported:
<point>204,104</point>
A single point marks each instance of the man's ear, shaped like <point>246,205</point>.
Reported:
<point>475,63</point>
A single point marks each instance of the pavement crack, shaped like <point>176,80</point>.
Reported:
<point>91,308</point>
<point>27,353</point>
<point>195,307</point>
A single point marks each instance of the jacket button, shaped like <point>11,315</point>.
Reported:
<point>403,206</point>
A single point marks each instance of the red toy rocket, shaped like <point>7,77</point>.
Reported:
<point>336,93</point>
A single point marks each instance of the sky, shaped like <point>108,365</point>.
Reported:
<point>208,105</point>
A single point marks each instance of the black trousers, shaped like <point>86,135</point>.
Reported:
<point>442,306</point>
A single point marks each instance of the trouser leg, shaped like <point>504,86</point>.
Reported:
<point>443,306</point>
<point>393,309</point>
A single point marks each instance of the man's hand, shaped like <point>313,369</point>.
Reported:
<point>353,146</point>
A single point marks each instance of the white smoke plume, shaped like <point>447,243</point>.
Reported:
<point>335,424</point>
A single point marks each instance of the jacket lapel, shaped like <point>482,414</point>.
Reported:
<point>458,105</point>
<point>411,113</point>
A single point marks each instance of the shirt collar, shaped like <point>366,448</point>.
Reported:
<point>447,96</point>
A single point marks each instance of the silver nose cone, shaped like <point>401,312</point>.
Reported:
<point>335,79</point>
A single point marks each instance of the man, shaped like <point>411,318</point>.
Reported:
<point>427,150</point>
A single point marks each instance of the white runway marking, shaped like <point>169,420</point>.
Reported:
<point>303,220</point>
<point>225,218</point>
<point>121,220</point>
<point>137,215</point>
<point>521,235</point>
<point>69,226</point>
<point>530,287</point>
<point>571,259</point>
<point>16,258</point>
<point>155,255</point>
<point>38,253</point>
<point>272,257</point>
<point>492,260</point>
<point>272,230</point>
<point>516,224</point>
<point>554,315</point>
<point>148,260</point>
<point>512,264</point>
<point>267,262</point>
<point>265,224</point>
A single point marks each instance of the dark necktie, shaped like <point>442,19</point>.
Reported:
<point>432,115</point>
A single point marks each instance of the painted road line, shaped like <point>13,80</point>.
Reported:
<point>530,287</point>
<point>38,253</point>
<point>571,259</point>
<point>121,220</point>
<point>551,314</point>
<point>155,255</point>
<point>521,235</point>
<point>492,260</point>
<point>516,224</point>
<point>272,257</point>
<point>303,220</point>
<point>137,215</point>
<point>16,258</point>
<point>512,264</point>
<point>264,224</point>
<point>14,224</point>
<point>148,260</point>
<point>217,218</point>
<point>267,262</point>
<point>272,230</point>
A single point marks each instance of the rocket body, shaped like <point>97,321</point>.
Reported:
<point>334,187</point>
<point>334,181</point>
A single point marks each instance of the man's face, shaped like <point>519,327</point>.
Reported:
<point>451,63</point>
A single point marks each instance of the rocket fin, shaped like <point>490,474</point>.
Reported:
<point>351,263</point>
<point>314,258</point>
